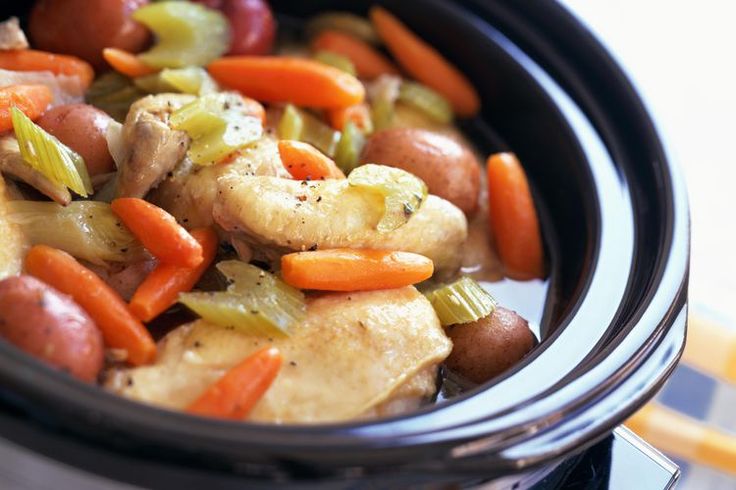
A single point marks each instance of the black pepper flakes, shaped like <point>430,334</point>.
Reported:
<point>319,198</point>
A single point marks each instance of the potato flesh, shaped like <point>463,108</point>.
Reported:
<point>347,358</point>
<point>299,215</point>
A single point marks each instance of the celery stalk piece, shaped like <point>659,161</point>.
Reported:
<point>114,94</point>
<point>297,124</point>
<point>88,230</point>
<point>318,134</point>
<point>383,94</point>
<point>291,124</point>
<point>338,61</point>
<point>344,22</point>
<point>463,301</point>
<point>403,192</point>
<point>435,106</point>
<point>153,84</point>
<point>349,147</point>
<point>256,301</point>
<point>217,126</point>
<point>188,34</point>
<point>48,155</point>
<point>190,80</point>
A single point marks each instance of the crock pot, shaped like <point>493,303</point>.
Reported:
<point>615,221</point>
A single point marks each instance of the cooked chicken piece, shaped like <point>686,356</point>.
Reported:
<point>12,163</point>
<point>189,193</point>
<point>352,354</point>
<point>407,397</point>
<point>11,35</point>
<point>12,242</point>
<point>286,215</point>
<point>153,148</point>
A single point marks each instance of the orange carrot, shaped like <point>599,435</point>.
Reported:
<point>158,231</point>
<point>254,108</point>
<point>32,100</point>
<point>368,62</point>
<point>235,394</point>
<point>513,218</point>
<point>305,162</point>
<point>282,79</point>
<point>127,63</point>
<point>425,64</point>
<point>359,114</point>
<point>120,329</point>
<point>347,269</point>
<point>58,64</point>
<point>161,288</point>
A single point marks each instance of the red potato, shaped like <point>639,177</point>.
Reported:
<point>253,27</point>
<point>487,347</point>
<point>84,28</point>
<point>82,128</point>
<point>449,169</point>
<point>50,326</point>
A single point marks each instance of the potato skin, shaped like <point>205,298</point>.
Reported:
<point>82,128</point>
<point>486,348</point>
<point>84,27</point>
<point>50,326</point>
<point>450,170</point>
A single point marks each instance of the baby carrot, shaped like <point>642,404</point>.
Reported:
<point>32,101</point>
<point>235,394</point>
<point>161,288</point>
<point>347,269</point>
<point>359,114</point>
<point>120,329</point>
<point>425,64</point>
<point>282,79</point>
<point>368,62</point>
<point>127,63</point>
<point>158,231</point>
<point>305,162</point>
<point>513,218</point>
<point>58,64</point>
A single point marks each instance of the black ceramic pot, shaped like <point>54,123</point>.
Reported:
<point>616,226</point>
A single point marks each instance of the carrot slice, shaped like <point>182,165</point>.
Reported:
<point>58,64</point>
<point>282,79</point>
<point>368,62</point>
<point>513,218</point>
<point>161,288</point>
<point>347,269</point>
<point>120,329</point>
<point>359,114</point>
<point>32,100</point>
<point>305,162</point>
<point>127,63</point>
<point>425,64</point>
<point>158,231</point>
<point>235,394</point>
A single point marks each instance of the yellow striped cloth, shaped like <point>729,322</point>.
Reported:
<point>711,351</point>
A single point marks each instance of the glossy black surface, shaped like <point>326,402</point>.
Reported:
<point>615,217</point>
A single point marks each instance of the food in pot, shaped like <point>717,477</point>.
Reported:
<point>236,233</point>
